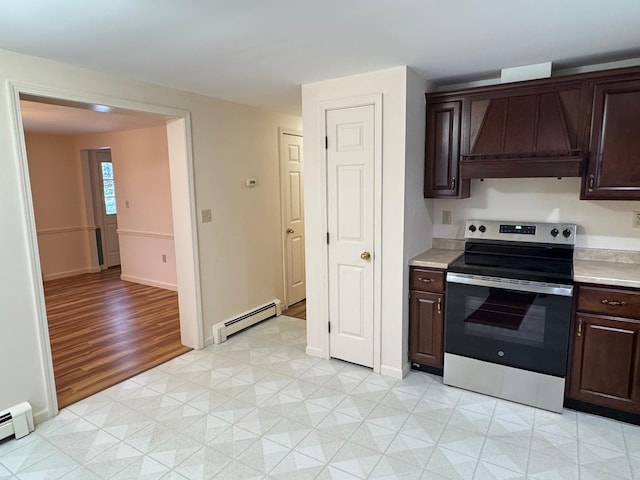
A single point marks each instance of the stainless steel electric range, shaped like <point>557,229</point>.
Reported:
<point>508,311</point>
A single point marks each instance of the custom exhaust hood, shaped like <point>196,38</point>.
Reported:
<point>529,134</point>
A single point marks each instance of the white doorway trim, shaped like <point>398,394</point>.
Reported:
<point>376,101</point>
<point>283,227</point>
<point>183,206</point>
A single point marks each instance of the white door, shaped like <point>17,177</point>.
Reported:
<point>291,163</point>
<point>105,209</point>
<point>350,211</point>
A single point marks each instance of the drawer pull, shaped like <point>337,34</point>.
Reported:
<point>580,322</point>
<point>425,280</point>
<point>614,303</point>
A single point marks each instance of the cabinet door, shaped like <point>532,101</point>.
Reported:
<point>606,360</point>
<point>614,162</point>
<point>426,313</point>
<point>442,152</point>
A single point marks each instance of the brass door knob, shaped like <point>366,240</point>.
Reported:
<point>365,255</point>
<point>289,230</point>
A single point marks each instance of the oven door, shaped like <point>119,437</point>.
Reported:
<point>516,323</point>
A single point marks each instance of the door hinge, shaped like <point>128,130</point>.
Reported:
<point>326,143</point>
<point>329,323</point>
<point>327,238</point>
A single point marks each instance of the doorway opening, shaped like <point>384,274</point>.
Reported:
<point>292,215</point>
<point>79,233</point>
<point>105,207</point>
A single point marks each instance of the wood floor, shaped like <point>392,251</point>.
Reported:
<point>297,310</point>
<point>104,330</point>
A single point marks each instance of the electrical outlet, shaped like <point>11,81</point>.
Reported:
<point>205,215</point>
<point>446,217</point>
<point>636,220</point>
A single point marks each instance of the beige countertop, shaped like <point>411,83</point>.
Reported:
<point>620,268</point>
<point>618,274</point>
<point>435,258</point>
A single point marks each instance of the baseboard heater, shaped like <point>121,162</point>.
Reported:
<point>223,329</point>
<point>17,420</point>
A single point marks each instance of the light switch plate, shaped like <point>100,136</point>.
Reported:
<point>636,220</point>
<point>205,215</point>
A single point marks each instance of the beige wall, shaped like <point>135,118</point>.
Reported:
<point>58,204</point>
<point>145,228</point>
<point>240,259</point>
<point>63,218</point>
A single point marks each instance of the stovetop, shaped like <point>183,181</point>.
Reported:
<point>540,252</point>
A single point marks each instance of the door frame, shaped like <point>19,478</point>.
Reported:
<point>183,205</point>
<point>283,236</point>
<point>359,101</point>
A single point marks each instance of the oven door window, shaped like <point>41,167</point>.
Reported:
<point>518,329</point>
<point>508,316</point>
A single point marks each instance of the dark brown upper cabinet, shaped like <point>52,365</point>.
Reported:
<point>442,151</point>
<point>583,125</point>
<point>613,170</point>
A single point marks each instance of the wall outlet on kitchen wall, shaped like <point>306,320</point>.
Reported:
<point>446,217</point>
<point>636,220</point>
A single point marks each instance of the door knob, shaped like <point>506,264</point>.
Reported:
<point>365,255</point>
<point>289,230</point>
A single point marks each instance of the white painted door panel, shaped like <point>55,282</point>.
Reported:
<point>291,162</point>
<point>350,212</point>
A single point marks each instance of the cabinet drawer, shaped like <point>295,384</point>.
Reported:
<point>609,301</point>
<point>426,280</point>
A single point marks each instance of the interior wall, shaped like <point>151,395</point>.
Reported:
<point>418,212</point>
<point>605,224</point>
<point>392,85</point>
<point>240,257</point>
<point>143,196</point>
<point>58,204</point>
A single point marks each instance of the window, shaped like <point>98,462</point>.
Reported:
<point>108,188</point>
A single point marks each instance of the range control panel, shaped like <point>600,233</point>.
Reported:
<point>558,233</point>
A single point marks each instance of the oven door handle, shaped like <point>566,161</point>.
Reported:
<point>510,284</point>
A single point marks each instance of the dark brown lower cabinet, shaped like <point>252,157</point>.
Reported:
<point>425,328</point>
<point>605,368</point>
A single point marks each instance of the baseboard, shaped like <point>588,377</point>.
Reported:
<point>392,371</point>
<point>70,273</point>
<point>41,416</point>
<point>315,352</point>
<point>208,341</point>
<point>149,282</point>
<point>406,368</point>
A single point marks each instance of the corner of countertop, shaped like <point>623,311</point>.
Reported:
<point>443,252</point>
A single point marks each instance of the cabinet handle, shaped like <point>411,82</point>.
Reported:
<point>580,322</point>
<point>426,280</point>
<point>440,305</point>
<point>592,180</point>
<point>453,184</point>
<point>614,303</point>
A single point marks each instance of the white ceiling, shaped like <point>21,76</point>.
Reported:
<point>259,52</point>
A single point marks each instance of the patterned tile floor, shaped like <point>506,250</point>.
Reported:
<point>258,407</point>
